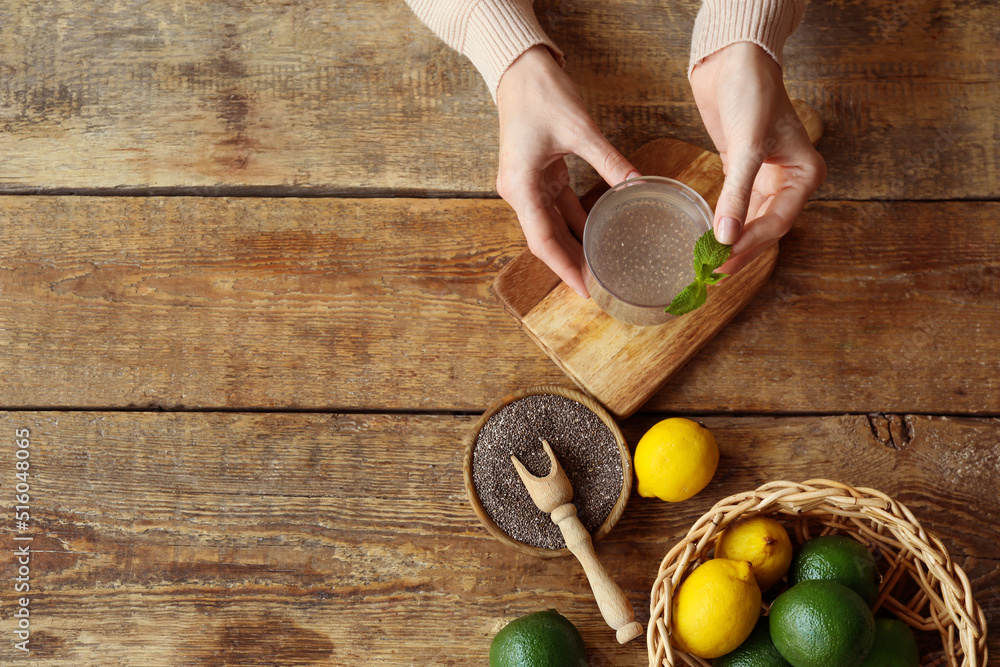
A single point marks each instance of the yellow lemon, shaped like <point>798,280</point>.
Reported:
<point>715,608</point>
<point>761,541</point>
<point>675,460</point>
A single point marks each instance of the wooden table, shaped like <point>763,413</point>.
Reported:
<point>245,314</point>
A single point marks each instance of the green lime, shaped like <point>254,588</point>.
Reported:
<point>894,646</point>
<point>841,559</point>
<point>757,650</point>
<point>541,639</point>
<point>822,624</point>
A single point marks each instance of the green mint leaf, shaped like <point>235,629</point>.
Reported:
<point>708,251</point>
<point>690,297</point>
<point>709,255</point>
<point>703,272</point>
<point>715,277</point>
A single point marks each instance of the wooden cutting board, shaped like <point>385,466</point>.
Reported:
<point>619,364</point>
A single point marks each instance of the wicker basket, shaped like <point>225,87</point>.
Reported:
<point>602,414</point>
<point>920,583</point>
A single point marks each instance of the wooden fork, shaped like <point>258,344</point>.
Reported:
<point>552,494</point>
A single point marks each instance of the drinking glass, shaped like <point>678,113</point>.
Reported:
<point>638,247</point>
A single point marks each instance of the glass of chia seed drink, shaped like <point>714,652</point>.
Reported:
<point>638,246</point>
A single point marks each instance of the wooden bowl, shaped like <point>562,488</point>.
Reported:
<point>608,421</point>
<point>920,584</point>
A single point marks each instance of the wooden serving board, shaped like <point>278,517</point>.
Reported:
<point>619,364</point>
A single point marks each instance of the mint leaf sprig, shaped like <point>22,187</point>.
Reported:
<point>709,255</point>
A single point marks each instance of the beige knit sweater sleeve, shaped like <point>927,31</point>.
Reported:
<point>493,33</point>
<point>490,33</point>
<point>766,23</point>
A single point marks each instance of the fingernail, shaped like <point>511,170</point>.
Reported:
<point>582,295</point>
<point>633,174</point>
<point>727,231</point>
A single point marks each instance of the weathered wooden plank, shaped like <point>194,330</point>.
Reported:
<point>225,538</point>
<point>168,93</point>
<point>344,96</point>
<point>384,304</point>
<point>280,302</point>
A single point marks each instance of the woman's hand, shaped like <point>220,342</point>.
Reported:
<point>543,119</point>
<point>771,167</point>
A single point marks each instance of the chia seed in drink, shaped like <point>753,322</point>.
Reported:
<point>643,254</point>
<point>586,449</point>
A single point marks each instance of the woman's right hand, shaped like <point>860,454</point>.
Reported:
<point>543,119</point>
<point>771,166</point>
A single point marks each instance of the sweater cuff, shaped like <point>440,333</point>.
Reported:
<point>497,33</point>
<point>766,23</point>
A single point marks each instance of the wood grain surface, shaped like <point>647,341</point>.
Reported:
<point>189,302</point>
<point>345,96</point>
<point>247,411</point>
<point>231,539</point>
